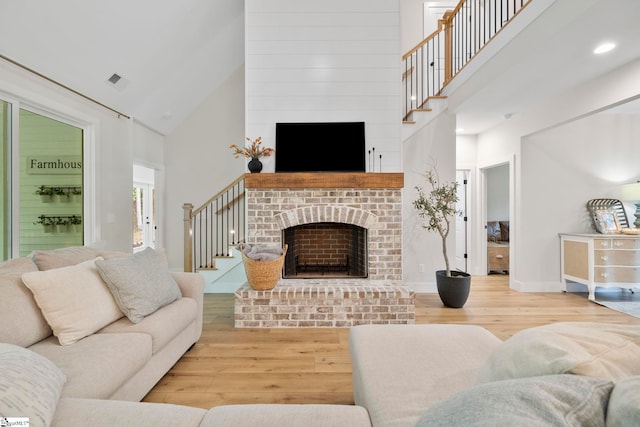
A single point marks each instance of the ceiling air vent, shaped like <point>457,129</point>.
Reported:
<point>117,81</point>
<point>114,78</point>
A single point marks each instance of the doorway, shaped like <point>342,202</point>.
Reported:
<point>143,206</point>
<point>497,219</point>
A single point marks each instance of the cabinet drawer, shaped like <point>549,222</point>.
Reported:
<point>613,257</point>
<point>625,244</point>
<point>617,275</point>
<point>498,257</point>
<point>613,243</point>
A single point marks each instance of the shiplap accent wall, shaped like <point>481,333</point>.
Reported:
<point>330,60</point>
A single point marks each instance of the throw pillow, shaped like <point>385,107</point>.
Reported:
<point>30,385</point>
<point>624,403</point>
<point>63,257</point>
<point>140,283</point>
<point>74,300</point>
<point>601,350</point>
<point>553,400</point>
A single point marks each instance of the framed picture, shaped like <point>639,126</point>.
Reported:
<point>607,222</point>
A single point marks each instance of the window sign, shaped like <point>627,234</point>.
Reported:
<point>54,165</point>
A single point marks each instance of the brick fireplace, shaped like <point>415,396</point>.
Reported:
<point>329,205</point>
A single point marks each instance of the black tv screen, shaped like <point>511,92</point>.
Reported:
<point>320,147</point>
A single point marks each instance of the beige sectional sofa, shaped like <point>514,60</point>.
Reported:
<point>582,374</point>
<point>561,374</point>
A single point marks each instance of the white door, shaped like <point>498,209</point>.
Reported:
<point>143,205</point>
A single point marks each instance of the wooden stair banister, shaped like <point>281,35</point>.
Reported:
<point>208,231</point>
<point>461,34</point>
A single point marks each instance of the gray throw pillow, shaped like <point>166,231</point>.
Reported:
<point>551,400</point>
<point>140,283</point>
<point>603,350</point>
<point>624,403</point>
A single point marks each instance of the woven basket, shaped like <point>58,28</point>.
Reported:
<point>263,275</point>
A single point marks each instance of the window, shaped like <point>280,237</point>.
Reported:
<point>41,183</point>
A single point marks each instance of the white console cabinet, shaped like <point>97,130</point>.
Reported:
<point>600,260</point>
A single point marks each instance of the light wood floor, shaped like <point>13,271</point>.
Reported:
<point>310,365</point>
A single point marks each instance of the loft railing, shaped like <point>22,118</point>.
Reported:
<point>212,229</point>
<point>460,35</point>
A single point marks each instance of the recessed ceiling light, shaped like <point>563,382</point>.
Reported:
<point>604,48</point>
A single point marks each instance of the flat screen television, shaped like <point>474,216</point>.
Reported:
<point>320,147</point>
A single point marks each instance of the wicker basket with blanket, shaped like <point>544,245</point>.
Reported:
<point>262,264</point>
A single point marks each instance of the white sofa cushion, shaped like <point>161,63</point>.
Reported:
<point>63,257</point>
<point>98,365</point>
<point>401,370</point>
<point>74,300</point>
<point>77,412</point>
<point>603,350</point>
<point>21,320</point>
<point>163,325</point>
<point>278,415</point>
<point>552,400</point>
<point>140,283</point>
<point>30,385</point>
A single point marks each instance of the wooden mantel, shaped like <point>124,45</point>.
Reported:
<point>324,180</point>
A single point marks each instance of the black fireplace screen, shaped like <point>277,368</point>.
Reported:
<point>325,250</point>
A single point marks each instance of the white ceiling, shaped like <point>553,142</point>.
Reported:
<point>173,54</point>
<point>551,55</point>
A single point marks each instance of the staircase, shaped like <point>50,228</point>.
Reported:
<point>211,233</point>
<point>461,34</point>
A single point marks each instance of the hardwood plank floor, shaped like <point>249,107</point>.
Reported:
<point>310,365</point>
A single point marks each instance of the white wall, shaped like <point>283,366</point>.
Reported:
<point>199,162</point>
<point>109,178</point>
<point>498,193</point>
<point>434,144</point>
<point>560,163</point>
<point>325,61</point>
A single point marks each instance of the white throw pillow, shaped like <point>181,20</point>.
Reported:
<point>30,385</point>
<point>140,283</point>
<point>74,300</point>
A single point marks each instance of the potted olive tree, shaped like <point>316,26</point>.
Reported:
<point>437,206</point>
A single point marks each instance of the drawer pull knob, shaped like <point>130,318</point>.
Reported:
<point>499,256</point>
<point>604,244</point>
<point>604,257</point>
<point>618,244</point>
<point>605,275</point>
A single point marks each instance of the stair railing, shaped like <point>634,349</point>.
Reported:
<point>212,229</point>
<point>460,35</point>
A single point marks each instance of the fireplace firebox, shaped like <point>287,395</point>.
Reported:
<point>325,250</point>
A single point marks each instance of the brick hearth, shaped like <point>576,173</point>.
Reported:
<point>322,304</point>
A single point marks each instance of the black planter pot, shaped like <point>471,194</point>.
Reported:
<point>453,290</point>
<point>254,165</point>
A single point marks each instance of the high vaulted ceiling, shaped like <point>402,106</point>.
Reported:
<point>171,54</point>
